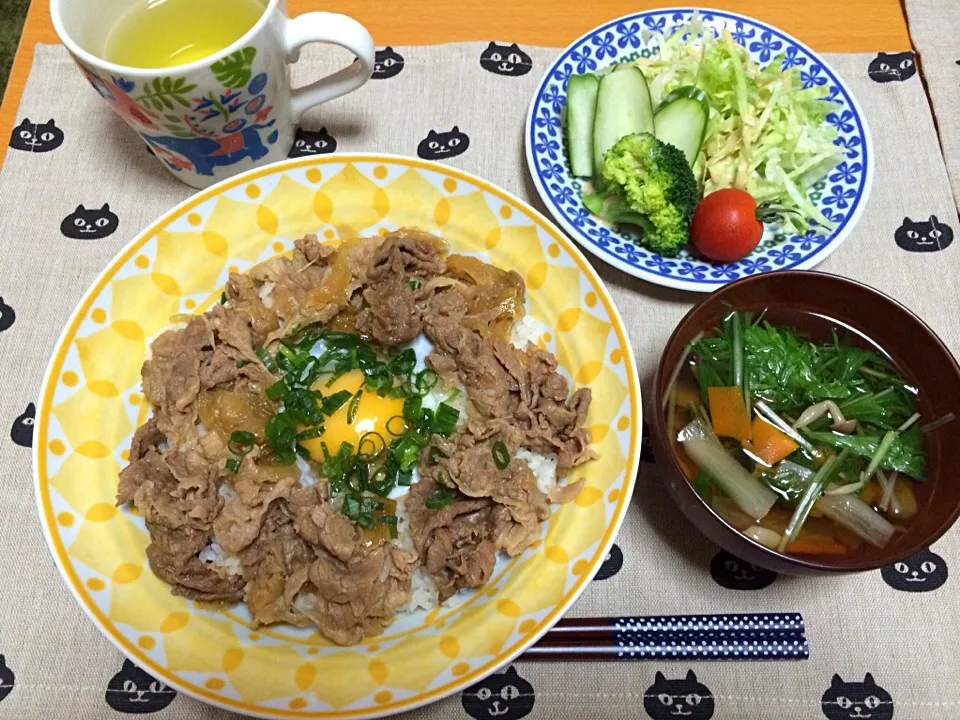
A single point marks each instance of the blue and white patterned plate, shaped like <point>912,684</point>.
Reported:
<point>841,197</point>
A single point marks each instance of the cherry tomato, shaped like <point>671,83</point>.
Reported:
<point>725,226</point>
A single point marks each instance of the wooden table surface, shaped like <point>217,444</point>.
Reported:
<point>825,25</point>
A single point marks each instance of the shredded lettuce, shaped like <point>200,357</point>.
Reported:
<point>766,133</point>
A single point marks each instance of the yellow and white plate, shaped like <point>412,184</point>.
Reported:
<point>91,403</point>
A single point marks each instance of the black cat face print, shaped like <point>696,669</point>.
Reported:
<point>311,142</point>
<point>94,224</point>
<point>611,564</point>
<point>504,696</point>
<point>133,691</point>
<point>892,67</point>
<point>736,574</point>
<point>507,60</point>
<point>687,698</point>
<point>922,572</point>
<point>856,700</point>
<point>442,145</point>
<point>7,678</point>
<point>22,431</point>
<point>924,236</point>
<point>36,137</point>
<point>7,316</point>
<point>387,64</point>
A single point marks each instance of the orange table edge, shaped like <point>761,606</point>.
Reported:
<point>825,25</point>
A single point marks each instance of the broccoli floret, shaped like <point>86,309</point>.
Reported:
<point>648,183</point>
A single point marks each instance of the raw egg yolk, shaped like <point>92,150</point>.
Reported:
<point>372,414</point>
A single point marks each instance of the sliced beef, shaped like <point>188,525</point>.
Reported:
<point>240,520</point>
<point>276,566</point>
<point>147,437</point>
<point>390,315</point>
<point>173,489</point>
<point>245,299</point>
<point>453,541</point>
<point>172,554</point>
<point>406,254</point>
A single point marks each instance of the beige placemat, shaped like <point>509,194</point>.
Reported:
<point>934,25</point>
<point>60,666</point>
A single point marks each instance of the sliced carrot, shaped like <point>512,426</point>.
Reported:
<point>816,547</point>
<point>728,413</point>
<point>871,492</point>
<point>769,444</point>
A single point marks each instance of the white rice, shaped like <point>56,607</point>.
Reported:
<point>526,331</point>
<point>266,293</point>
<point>423,591</point>
<point>224,564</point>
<point>543,467</point>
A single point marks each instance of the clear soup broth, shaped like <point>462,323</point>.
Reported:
<point>800,433</point>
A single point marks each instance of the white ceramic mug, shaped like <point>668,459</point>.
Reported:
<point>227,112</point>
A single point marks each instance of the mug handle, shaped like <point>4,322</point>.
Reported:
<point>335,29</point>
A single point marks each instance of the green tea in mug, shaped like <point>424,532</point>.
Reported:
<point>165,33</point>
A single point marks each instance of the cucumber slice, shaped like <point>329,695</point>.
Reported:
<point>681,120</point>
<point>623,108</point>
<point>581,107</point>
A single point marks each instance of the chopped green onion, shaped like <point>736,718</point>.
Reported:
<point>403,363</point>
<point>268,362</point>
<point>332,403</point>
<point>223,298</point>
<point>311,433</point>
<point>240,363</point>
<point>406,449</point>
<point>396,426</point>
<point>374,444</point>
<point>414,284</point>
<point>241,442</point>
<point>412,407</point>
<point>426,381</point>
<point>360,509</point>
<point>277,390</point>
<point>445,419</point>
<point>501,457</point>
<point>352,408</point>
<point>391,522</point>
<point>232,465</point>
<point>439,499</point>
<point>302,451</point>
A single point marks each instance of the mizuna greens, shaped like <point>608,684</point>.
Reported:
<point>806,447</point>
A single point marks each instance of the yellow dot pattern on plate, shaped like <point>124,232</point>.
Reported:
<point>252,191</point>
<point>527,626</point>
<point>232,659</point>
<point>101,512</point>
<point>378,671</point>
<point>449,646</point>
<point>254,637</point>
<point>623,423</point>
<point>508,607</point>
<point>174,621</point>
<point>146,642</point>
<point>183,261</point>
<point>305,676</point>
<point>65,519</point>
